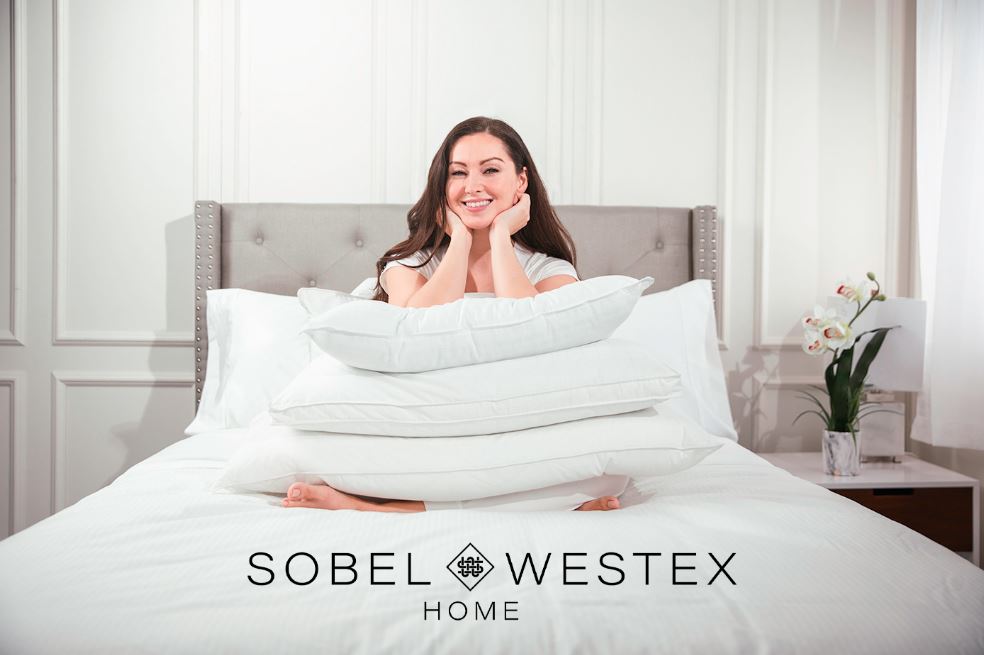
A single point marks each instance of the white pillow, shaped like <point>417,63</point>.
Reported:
<point>383,337</point>
<point>606,377</point>
<point>677,327</point>
<point>255,348</point>
<point>366,288</point>
<point>317,301</point>
<point>639,444</point>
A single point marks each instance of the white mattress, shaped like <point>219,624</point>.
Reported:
<point>157,563</point>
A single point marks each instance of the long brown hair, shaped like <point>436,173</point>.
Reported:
<point>543,233</point>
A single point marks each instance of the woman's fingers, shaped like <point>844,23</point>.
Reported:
<point>516,217</point>
<point>453,221</point>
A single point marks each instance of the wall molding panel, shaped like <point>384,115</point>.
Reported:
<point>776,384</point>
<point>418,98</point>
<point>554,100</point>
<point>378,106</point>
<point>763,195</point>
<point>61,382</point>
<point>208,100</point>
<point>886,110</point>
<point>594,103</point>
<point>62,334</point>
<point>576,132</point>
<point>14,486</point>
<point>15,333</point>
<point>241,101</point>
<point>218,120</point>
<point>727,108</point>
<point>891,57</point>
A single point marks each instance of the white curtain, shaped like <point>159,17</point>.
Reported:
<point>950,205</point>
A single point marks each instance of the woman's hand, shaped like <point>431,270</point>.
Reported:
<point>454,223</point>
<point>515,218</point>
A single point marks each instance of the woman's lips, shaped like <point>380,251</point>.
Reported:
<point>479,209</point>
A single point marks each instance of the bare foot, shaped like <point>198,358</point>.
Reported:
<point>320,496</point>
<point>602,504</point>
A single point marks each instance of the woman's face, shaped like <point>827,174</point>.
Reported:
<point>482,180</point>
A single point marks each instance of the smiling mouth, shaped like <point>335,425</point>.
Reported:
<point>477,204</point>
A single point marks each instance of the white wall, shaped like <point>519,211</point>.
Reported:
<point>790,116</point>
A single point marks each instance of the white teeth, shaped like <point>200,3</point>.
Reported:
<point>478,203</point>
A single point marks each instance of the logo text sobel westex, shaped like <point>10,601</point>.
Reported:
<point>470,567</point>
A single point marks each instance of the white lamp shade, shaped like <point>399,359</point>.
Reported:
<point>899,364</point>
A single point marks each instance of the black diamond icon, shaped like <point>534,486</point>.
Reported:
<point>470,567</point>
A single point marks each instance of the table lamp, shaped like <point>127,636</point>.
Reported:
<point>897,368</point>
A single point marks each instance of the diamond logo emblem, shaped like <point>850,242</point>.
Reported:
<point>470,566</point>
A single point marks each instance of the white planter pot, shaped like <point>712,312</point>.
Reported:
<point>841,453</point>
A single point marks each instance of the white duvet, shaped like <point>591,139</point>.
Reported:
<point>157,563</point>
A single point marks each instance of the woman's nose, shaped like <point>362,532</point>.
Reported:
<point>473,183</point>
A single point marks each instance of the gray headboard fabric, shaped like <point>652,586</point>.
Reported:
<point>281,247</point>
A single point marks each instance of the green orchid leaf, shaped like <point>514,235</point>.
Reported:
<point>810,411</point>
<point>867,357</point>
<point>823,410</point>
<point>828,375</point>
<point>810,396</point>
<point>853,405</point>
<point>879,411</point>
<point>840,400</point>
<point>819,388</point>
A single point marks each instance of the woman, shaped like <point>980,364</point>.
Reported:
<point>483,225</point>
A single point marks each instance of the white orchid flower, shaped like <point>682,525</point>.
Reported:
<point>844,311</point>
<point>837,335</point>
<point>820,316</point>
<point>812,343</point>
<point>849,291</point>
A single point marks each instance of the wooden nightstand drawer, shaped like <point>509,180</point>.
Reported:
<point>944,514</point>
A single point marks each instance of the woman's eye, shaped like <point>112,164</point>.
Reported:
<point>457,172</point>
<point>491,170</point>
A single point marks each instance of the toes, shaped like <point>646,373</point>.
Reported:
<point>602,504</point>
<point>287,502</point>
<point>296,491</point>
<point>299,495</point>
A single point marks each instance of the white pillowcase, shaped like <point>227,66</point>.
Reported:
<point>255,348</point>
<point>383,337</point>
<point>317,301</point>
<point>638,444</point>
<point>366,288</point>
<point>607,377</point>
<point>677,328</point>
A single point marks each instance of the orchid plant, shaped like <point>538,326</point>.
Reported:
<point>830,330</point>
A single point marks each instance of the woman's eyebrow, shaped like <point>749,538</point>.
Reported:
<point>480,163</point>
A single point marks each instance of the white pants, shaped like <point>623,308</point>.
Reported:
<point>560,497</point>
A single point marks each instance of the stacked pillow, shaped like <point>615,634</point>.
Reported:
<point>383,337</point>
<point>476,366</point>
<point>639,444</point>
<point>607,377</point>
<point>498,371</point>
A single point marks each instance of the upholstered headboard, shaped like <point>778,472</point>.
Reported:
<point>279,248</point>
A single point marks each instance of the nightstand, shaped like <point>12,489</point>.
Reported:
<point>936,502</point>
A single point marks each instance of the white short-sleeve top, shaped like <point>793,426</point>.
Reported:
<point>537,265</point>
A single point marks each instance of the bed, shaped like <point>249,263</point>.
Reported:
<point>732,555</point>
